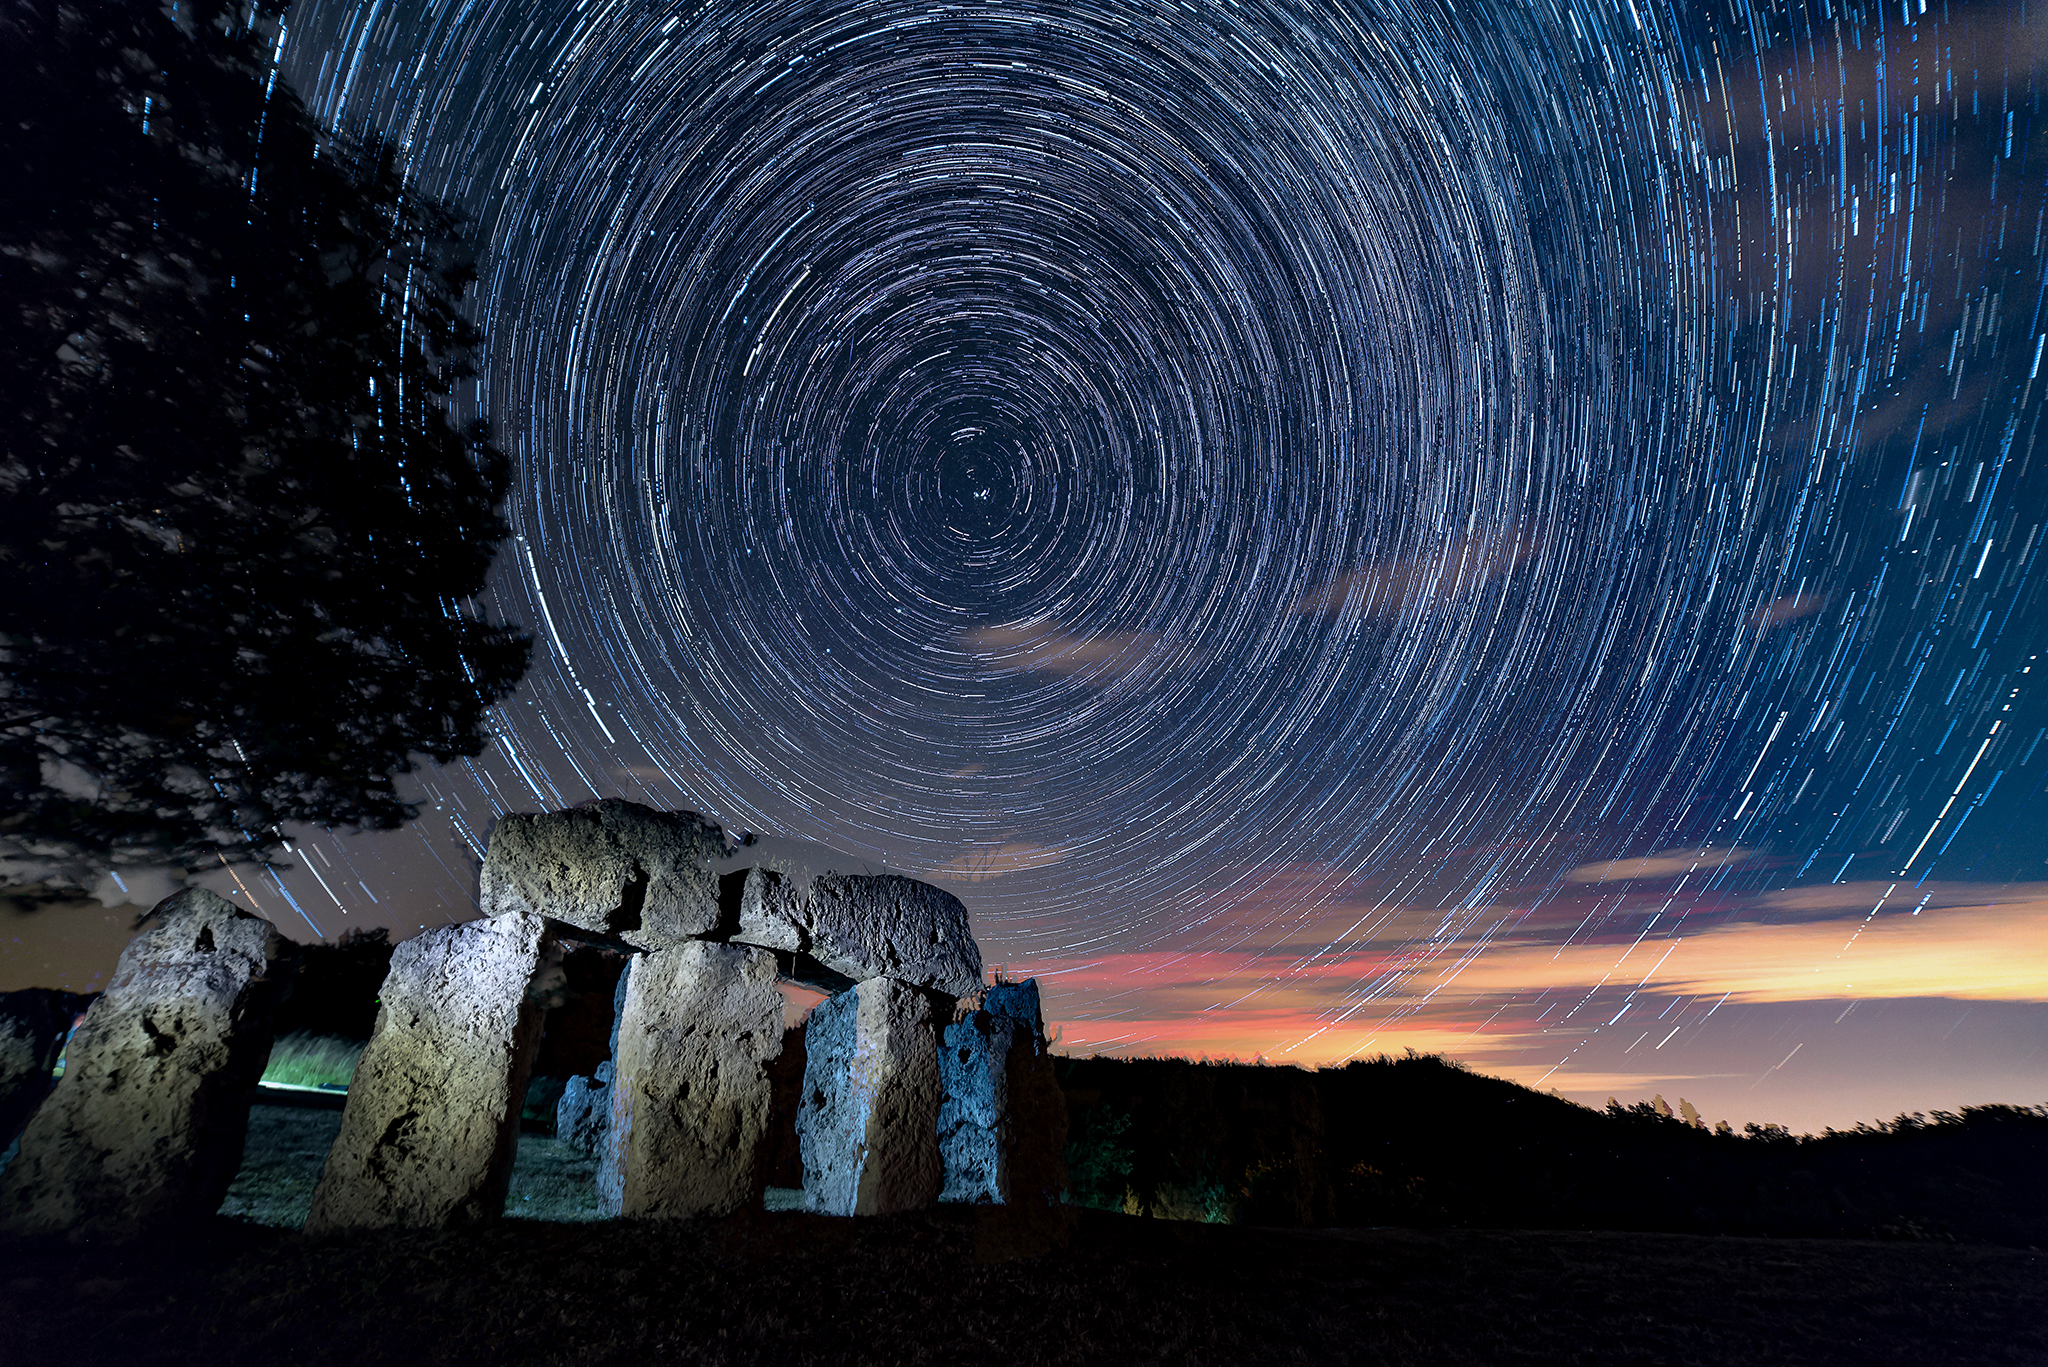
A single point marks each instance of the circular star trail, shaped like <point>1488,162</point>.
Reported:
<point>1180,470</point>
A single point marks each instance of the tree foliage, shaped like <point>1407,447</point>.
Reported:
<point>239,527</point>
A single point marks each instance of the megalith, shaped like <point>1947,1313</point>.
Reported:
<point>868,1121</point>
<point>698,1025</point>
<point>432,1122</point>
<point>865,926</point>
<point>145,1130</point>
<point>1002,1125</point>
<point>613,867</point>
<point>584,1111</point>
<point>34,1023</point>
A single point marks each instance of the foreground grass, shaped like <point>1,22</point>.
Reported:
<point>942,1287</point>
<point>965,1285</point>
<point>287,1147</point>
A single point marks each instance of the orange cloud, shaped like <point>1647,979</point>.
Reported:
<point>1993,951</point>
<point>1277,1036</point>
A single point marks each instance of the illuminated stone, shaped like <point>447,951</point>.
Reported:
<point>868,1121</point>
<point>146,1128</point>
<point>697,1027</point>
<point>616,868</point>
<point>432,1122</point>
<point>863,926</point>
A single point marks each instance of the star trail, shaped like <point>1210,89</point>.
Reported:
<point>1511,529</point>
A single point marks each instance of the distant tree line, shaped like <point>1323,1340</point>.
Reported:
<point>1423,1142</point>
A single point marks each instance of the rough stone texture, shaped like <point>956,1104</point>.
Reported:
<point>690,1098</point>
<point>145,1130</point>
<point>1003,1122</point>
<point>974,1118</point>
<point>868,1121</point>
<point>432,1123</point>
<point>865,926</point>
<point>1018,1002</point>
<point>585,1110</point>
<point>773,912</point>
<point>34,1024</point>
<point>615,868</point>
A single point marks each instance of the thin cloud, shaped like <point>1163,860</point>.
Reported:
<point>1387,589</point>
<point>1046,647</point>
<point>1662,864</point>
<point>981,865</point>
<point>1790,608</point>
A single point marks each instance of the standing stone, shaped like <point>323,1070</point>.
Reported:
<point>34,1023</point>
<point>690,1093</point>
<point>865,926</point>
<point>584,1112</point>
<point>146,1128</point>
<point>1002,1126</point>
<point>432,1122</point>
<point>868,1122</point>
<point>613,867</point>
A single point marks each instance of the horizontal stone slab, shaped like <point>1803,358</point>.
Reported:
<point>615,868</point>
<point>863,926</point>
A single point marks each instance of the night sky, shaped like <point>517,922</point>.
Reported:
<point>1508,529</point>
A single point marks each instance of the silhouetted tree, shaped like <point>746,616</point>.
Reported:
<point>238,524</point>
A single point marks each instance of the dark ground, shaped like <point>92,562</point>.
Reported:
<point>792,1288</point>
<point>958,1285</point>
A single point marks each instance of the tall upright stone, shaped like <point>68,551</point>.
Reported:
<point>432,1122</point>
<point>1002,1125</point>
<point>616,868</point>
<point>698,1025</point>
<point>868,1121</point>
<point>145,1130</point>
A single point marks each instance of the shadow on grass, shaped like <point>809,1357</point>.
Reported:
<point>287,1147</point>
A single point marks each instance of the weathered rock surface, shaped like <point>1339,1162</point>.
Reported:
<point>34,1023</point>
<point>865,926</point>
<point>432,1123</point>
<point>1002,1125</point>
<point>1018,1002</point>
<point>868,1121</point>
<point>774,912</point>
<point>690,1098</point>
<point>145,1130</point>
<point>584,1112</point>
<point>613,867</point>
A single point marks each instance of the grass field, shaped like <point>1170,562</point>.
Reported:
<point>965,1285</point>
<point>936,1288</point>
<point>286,1148</point>
<point>306,1060</point>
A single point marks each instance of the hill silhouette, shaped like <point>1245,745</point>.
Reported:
<point>1423,1142</point>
